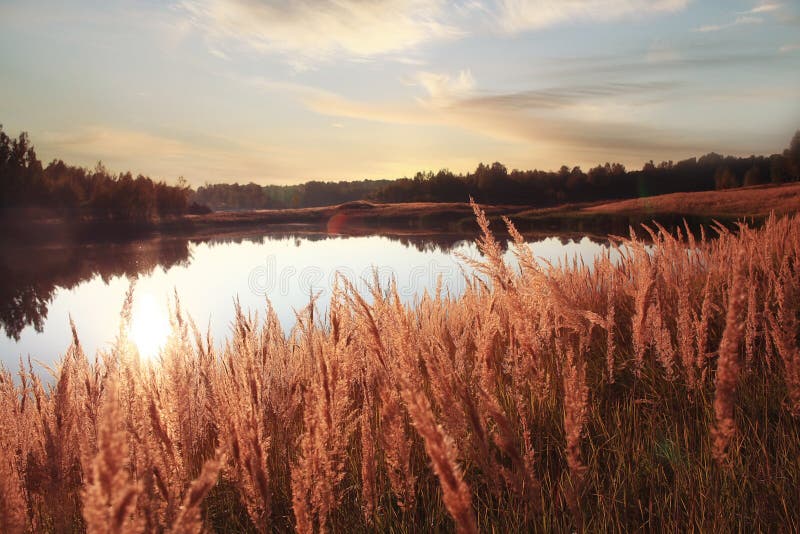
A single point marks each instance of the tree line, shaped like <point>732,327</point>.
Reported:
<point>306,195</point>
<point>495,184</point>
<point>29,187</point>
<point>77,192</point>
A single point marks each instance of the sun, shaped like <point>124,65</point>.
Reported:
<point>149,325</point>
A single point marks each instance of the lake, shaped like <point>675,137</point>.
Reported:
<point>43,286</point>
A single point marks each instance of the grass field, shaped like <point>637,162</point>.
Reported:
<point>757,201</point>
<point>657,392</point>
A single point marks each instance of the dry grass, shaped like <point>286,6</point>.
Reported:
<point>755,201</point>
<point>659,392</point>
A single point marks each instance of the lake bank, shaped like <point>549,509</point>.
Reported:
<point>364,218</point>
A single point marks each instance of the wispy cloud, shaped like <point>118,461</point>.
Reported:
<point>214,51</point>
<point>520,15</point>
<point>99,141</point>
<point>312,30</point>
<point>791,47</point>
<point>584,118</point>
<point>443,88</point>
<point>309,31</point>
<point>744,17</point>
<point>763,8</point>
<point>679,60</point>
<point>165,155</point>
<point>566,96</point>
<point>662,52</point>
<point>739,21</point>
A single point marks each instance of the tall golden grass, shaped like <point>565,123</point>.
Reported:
<point>656,391</point>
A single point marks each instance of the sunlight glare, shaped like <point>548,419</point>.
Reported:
<point>149,326</point>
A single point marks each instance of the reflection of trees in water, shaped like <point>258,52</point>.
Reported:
<point>423,242</point>
<point>443,243</point>
<point>31,276</point>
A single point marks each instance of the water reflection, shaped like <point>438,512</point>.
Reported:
<point>41,288</point>
<point>423,242</point>
<point>149,325</point>
<point>30,277</point>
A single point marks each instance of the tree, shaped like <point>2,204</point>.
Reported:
<point>777,169</point>
<point>752,176</point>
<point>793,157</point>
<point>725,179</point>
<point>76,191</point>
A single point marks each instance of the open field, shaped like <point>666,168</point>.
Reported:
<point>698,208</point>
<point>757,201</point>
<point>658,392</point>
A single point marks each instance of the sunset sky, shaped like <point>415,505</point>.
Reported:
<point>282,92</point>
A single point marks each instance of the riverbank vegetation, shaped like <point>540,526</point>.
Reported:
<point>656,389</point>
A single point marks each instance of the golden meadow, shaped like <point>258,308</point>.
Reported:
<point>657,391</point>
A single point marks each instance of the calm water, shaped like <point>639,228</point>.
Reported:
<point>42,287</point>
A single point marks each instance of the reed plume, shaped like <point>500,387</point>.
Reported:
<point>728,365</point>
<point>189,520</point>
<point>487,409</point>
<point>576,395</point>
<point>109,499</point>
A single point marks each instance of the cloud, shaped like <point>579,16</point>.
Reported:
<point>791,47</point>
<point>309,31</point>
<point>737,22</point>
<point>586,118</point>
<point>99,142</point>
<point>745,17</point>
<point>165,155</point>
<point>691,57</point>
<point>568,96</point>
<point>443,88</point>
<point>216,52</point>
<point>521,15</point>
<point>662,52</point>
<point>306,31</point>
<point>764,8</point>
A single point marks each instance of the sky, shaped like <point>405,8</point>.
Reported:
<point>284,92</point>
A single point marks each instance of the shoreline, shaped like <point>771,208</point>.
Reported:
<point>595,219</point>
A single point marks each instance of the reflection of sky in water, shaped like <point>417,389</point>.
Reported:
<point>285,270</point>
